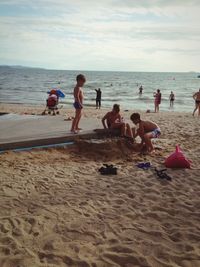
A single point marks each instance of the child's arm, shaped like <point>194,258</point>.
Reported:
<point>141,132</point>
<point>194,95</point>
<point>134,132</point>
<point>103,121</point>
<point>78,95</point>
<point>118,119</point>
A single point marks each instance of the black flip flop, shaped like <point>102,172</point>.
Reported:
<point>162,175</point>
<point>108,170</point>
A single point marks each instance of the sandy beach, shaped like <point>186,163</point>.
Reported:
<point>58,211</point>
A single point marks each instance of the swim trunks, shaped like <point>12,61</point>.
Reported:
<point>156,133</point>
<point>197,102</point>
<point>77,105</point>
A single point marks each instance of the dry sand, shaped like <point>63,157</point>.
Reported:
<point>57,210</point>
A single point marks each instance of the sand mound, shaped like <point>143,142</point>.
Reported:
<point>104,149</point>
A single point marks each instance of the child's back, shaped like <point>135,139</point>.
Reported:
<point>149,126</point>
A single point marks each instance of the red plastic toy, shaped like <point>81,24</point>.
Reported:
<point>177,160</point>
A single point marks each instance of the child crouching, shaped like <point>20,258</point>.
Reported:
<point>147,130</point>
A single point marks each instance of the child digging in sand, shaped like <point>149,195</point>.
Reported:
<point>78,103</point>
<point>146,131</point>
<point>113,120</point>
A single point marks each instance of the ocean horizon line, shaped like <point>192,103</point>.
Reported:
<point>89,70</point>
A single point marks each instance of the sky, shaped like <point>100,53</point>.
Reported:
<point>108,35</point>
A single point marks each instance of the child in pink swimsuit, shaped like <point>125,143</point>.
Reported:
<point>157,100</point>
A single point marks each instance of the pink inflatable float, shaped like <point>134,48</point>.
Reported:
<point>177,160</point>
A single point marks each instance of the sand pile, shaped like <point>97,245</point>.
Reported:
<point>107,149</point>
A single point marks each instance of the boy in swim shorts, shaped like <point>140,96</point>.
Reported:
<point>78,102</point>
<point>146,131</point>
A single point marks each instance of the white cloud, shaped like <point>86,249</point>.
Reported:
<point>121,35</point>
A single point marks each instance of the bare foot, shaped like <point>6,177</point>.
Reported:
<point>68,119</point>
<point>74,131</point>
<point>152,152</point>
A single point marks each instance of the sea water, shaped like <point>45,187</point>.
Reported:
<point>30,86</point>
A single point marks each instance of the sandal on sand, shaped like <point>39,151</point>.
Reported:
<point>144,165</point>
<point>108,170</point>
<point>162,175</point>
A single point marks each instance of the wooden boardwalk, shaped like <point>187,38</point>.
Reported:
<point>21,131</point>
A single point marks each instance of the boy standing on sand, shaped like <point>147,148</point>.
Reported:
<point>78,102</point>
<point>146,131</point>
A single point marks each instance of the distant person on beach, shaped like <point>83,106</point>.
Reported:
<point>157,100</point>
<point>113,120</point>
<point>147,130</point>
<point>171,99</point>
<point>98,98</point>
<point>196,97</point>
<point>140,90</point>
<point>78,102</point>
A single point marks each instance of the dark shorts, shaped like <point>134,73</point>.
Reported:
<point>197,102</point>
<point>156,133</point>
<point>77,105</point>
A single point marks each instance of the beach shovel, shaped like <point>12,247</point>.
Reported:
<point>177,160</point>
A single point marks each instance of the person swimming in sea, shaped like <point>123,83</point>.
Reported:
<point>140,90</point>
<point>171,99</point>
